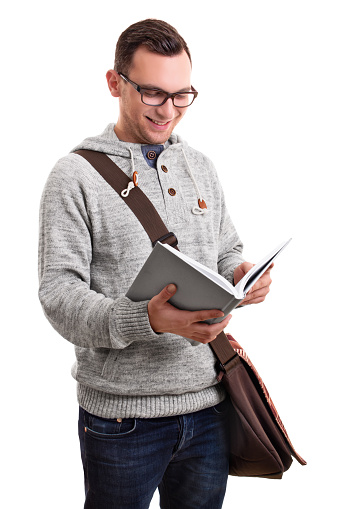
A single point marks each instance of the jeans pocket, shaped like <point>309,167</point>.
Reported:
<point>99,427</point>
<point>222,407</point>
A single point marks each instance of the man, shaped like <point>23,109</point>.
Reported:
<point>152,413</point>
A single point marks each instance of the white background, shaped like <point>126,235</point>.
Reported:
<point>267,114</point>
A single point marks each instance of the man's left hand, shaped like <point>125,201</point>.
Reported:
<point>258,291</point>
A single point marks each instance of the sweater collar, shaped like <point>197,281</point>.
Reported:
<point>108,143</point>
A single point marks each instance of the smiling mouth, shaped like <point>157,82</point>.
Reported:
<point>157,121</point>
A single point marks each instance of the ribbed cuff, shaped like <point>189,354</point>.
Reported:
<point>130,322</point>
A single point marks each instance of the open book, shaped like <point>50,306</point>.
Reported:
<point>198,287</point>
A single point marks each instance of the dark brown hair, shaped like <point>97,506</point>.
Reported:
<point>158,36</point>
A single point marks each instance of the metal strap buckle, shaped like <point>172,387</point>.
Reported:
<point>173,243</point>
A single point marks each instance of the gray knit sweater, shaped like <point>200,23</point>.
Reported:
<point>91,248</point>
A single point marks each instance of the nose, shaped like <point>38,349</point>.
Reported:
<point>167,110</point>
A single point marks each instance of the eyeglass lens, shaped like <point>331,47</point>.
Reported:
<point>156,98</point>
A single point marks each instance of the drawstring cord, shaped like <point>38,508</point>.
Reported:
<point>133,183</point>
<point>132,158</point>
<point>202,208</point>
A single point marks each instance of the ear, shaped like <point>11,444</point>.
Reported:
<point>113,82</point>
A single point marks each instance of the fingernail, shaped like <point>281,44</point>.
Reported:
<point>171,288</point>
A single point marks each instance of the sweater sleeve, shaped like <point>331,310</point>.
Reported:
<point>84,317</point>
<point>230,245</point>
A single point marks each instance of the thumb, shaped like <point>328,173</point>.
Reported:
<point>167,292</point>
<point>246,266</point>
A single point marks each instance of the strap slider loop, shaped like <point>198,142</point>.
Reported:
<point>173,242</point>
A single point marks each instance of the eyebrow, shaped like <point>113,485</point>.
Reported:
<point>153,87</point>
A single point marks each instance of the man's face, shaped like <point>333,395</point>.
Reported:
<point>139,123</point>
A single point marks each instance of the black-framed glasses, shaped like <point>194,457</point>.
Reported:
<point>157,97</point>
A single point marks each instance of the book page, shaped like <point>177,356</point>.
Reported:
<point>211,274</point>
<point>252,276</point>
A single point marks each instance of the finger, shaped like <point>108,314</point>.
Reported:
<point>221,325</point>
<point>255,297</point>
<point>166,293</point>
<point>246,266</point>
<point>262,286</point>
<point>254,301</point>
<point>265,280</point>
<point>205,314</point>
<point>213,328</point>
<point>205,333</point>
<point>260,292</point>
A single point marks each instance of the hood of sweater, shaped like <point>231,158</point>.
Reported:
<point>108,143</point>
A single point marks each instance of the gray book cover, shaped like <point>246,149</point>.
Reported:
<point>198,287</point>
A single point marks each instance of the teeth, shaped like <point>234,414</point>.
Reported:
<point>158,123</point>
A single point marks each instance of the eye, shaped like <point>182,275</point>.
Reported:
<point>152,93</point>
<point>182,98</point>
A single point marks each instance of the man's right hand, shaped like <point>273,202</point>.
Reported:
<point>164,317</point>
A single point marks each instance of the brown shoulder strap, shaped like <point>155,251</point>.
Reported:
<point>148,216</point>
<point>138,202</point>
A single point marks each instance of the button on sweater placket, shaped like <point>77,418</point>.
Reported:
<point>168,179</point>
<point>171,190</point>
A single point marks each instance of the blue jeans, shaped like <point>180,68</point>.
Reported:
<point>185,456</point>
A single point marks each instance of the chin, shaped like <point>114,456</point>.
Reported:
<point>158,138</point>
<point>159,141</point>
